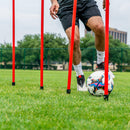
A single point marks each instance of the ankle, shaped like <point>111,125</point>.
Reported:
<point>78,69</point>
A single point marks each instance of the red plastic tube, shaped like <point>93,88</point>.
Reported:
<point>13,41</point>
<point>106,47</point>
<point>71,47</point>
<point>42,44</point>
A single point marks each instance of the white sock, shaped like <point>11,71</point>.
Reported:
<point>100,56</point>
<point>78,69</point>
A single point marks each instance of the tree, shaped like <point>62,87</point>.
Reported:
<point>117,52</point>
<point>30,46</point>
<point>6,51</point>
<point>87,45</point>
<point>87,41</point>
<point>53,45</point>
<point>55,41</point>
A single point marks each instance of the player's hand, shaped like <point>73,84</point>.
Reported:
<point>104,4</point>
<point>54,9</point>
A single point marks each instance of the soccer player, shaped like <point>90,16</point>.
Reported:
<point>89,14</point>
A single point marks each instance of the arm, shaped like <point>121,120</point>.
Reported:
<point>54,9</point>
<point>104,4</point>
<point>52,1</point>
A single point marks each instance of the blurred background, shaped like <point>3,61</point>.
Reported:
<point>28,14</point>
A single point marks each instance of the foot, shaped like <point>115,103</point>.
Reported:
<point>81,85</point>
<point>100,66</point>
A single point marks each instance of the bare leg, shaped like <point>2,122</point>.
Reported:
<point>81,85</point>
<point>76,51</point>
<point>97,26</point>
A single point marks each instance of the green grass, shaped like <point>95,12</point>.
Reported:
<point>25,106</point>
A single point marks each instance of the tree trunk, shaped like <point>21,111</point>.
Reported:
<point>63,65</point>
<point>48,62</point>
<point>5,65</point>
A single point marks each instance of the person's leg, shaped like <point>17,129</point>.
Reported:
<point>76,50</point>
<point>97,26</point>
<point>66,20</point>
<point>81,85</point>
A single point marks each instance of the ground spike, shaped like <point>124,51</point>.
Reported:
<point>106,97</point>
<point>68,91</point>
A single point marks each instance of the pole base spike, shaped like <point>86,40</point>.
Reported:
<point>41,87</point>
<point>68,91</point>
<point>106,97</point>
<point>13,83</point>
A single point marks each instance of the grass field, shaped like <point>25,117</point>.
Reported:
<point>25,106</point>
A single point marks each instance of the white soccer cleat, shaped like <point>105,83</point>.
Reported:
<point>81,85</point>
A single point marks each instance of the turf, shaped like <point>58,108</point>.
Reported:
<point>25,106</point>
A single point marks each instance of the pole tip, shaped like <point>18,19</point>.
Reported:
<point>13,83</point>
<point>41,87</point>
<point>106,97</point>
<point>68,91</point>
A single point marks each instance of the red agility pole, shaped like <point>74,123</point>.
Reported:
<point>106,50</point>
<point>71,47</point>
<point>13,40</point>
<point>42,44</point>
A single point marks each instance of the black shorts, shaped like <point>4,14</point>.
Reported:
<point>85,10</point>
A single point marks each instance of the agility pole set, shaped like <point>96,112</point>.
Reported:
<point>71,46</point>
<point>42,43</point>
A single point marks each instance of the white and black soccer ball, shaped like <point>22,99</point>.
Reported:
<point>95,83</point>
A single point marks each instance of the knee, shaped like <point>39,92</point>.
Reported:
<point>99,30</point>
<point>76,42</point>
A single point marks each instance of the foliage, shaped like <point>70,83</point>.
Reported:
<point>55,50</point>
<point>118,53</point>
<point>32,42</point>
<point>87,41</point>
<point>55,41</point>
<point>6,53</point>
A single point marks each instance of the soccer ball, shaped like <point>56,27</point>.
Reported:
<point>95,83</point>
